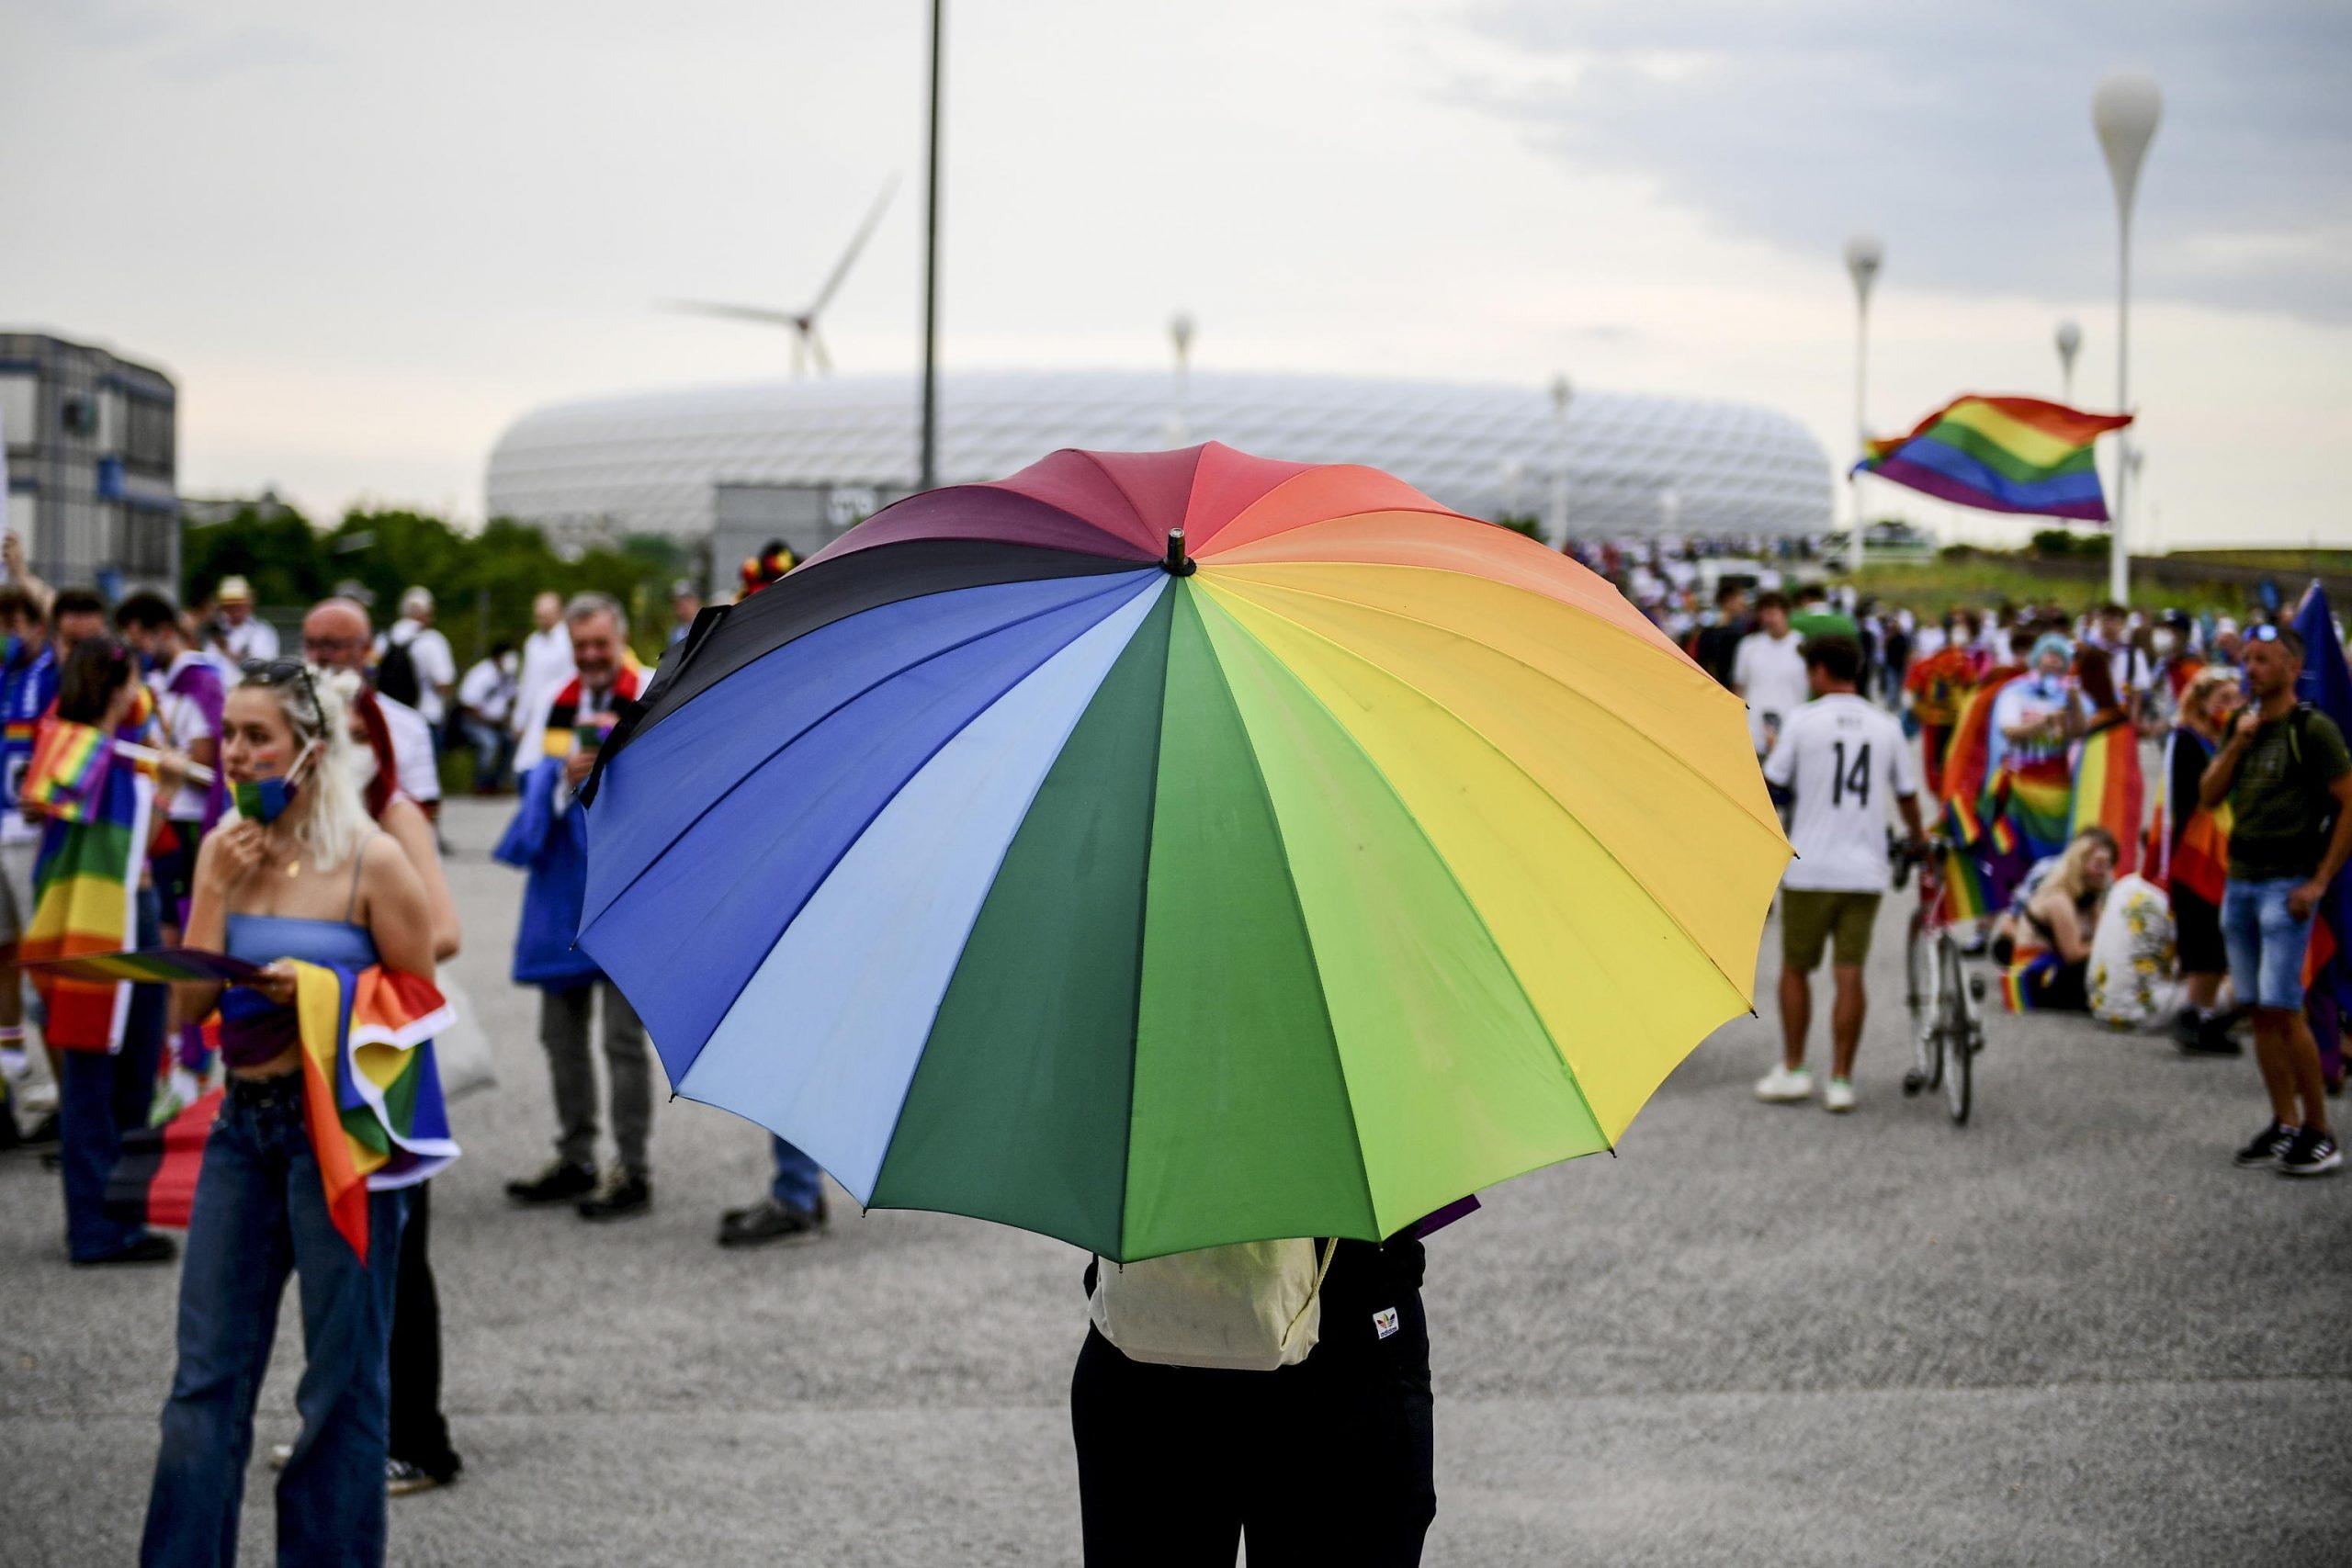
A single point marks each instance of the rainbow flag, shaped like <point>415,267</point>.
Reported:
<point>2109,792</point>
<point>85,896</point>
<point>2326,684</point>
<point>1968,759</point>
<point>2022,983</point>
<point>372,1089</point>
<point>2001,455</point>
<point>2034,801</point>
<point>68,769</point>
<point>150,965</point>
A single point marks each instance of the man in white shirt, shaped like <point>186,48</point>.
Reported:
<point>243,634</point>
<point>1844,759</point>
<point>335,633</point>
<point>1768,672</point>
<point>546,669</point>
<point>485,703</point>
<point>188,694</point>
<point>428,655</point>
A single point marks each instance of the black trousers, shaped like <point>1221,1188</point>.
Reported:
<point>420,1435</point>
<point>1328,1461</point>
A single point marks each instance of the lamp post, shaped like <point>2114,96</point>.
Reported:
<point>1863,254</point>
<point>1562,393</point>
<point>2070,343</point>
<point>1180,332</point>
<point>2124,111</point>
<point>929,464</point>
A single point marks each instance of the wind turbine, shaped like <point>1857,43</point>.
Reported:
<point>808,348</point>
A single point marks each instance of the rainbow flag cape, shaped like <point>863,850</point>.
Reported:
<point>86,896</point>
<point>68,771</point>
<point>1968,760</point>
<point>2034,803</point>
<point>371,1089</point>
<point>2001,455</point>
<point>2326,684</point>
<point>2109,792</point>
<point>1977,870</point>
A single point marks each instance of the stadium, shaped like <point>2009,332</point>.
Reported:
<point>804,459</point>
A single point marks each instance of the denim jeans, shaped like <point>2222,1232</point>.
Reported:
<point>101,1096</point>
<point>2265,942</point>
<point>260,1211</point>
<point>798,1183</point>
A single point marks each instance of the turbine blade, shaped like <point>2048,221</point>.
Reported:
<point>760,313</point>
<point>856,243</point>
<point>816,351</point>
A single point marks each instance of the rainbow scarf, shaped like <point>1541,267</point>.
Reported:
<point>2001,455</point>
<point>564,723</point>
<point>85,884</point>
<point>2109,792</point>
<point>371,1090</point>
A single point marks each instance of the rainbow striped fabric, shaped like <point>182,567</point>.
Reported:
<point>372,1089</point>
<point>69,768</point>
<point>2109,791</point>
<point>86,894</point>
<point>2001,455</point>
<point>2035,801</point>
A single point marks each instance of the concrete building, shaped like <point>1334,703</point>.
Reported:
<point>801,460</point>
<point>93,455</point>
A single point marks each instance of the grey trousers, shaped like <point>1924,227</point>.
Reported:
<point>628,1062</point>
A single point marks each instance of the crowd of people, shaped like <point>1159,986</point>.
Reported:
<point>2140,818</point>
<point>284,813</point>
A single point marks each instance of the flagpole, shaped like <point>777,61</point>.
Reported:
<point>1863,253</point>
<point>2124,112</point>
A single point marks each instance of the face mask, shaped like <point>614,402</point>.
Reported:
<point>265,800</point>
<point>363,767</point>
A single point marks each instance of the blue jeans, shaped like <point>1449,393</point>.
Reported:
<point>2267,943</point>
<point>260,1210</point>
<point>101,1096</point>
<point>798,1183</point>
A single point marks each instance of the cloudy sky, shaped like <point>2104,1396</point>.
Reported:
<point>363,240</point>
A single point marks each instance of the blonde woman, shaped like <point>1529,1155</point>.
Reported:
<point>301,873</point>
<point>2049,965</point>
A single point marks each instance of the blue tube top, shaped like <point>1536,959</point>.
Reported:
<point>253,1029</point>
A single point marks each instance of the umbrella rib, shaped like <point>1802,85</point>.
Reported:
<point>1298,905</point>
<point>1580,694</point>
<point>1143,935</point>
<point>786,745</point>
<point>1561,805</point>
<point>1476,914</point>
<point>1209,551</point>
<point>1126,495</point>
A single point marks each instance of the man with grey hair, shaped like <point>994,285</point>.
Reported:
<point>549,839</point>
<point>413,663</point>
<point>335,636</point>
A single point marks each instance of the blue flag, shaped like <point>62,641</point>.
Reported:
<point>2326,684</point>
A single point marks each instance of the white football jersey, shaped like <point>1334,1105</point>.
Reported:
<point>1846,760</point>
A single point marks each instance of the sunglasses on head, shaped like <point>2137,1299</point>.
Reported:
<point>2264,633</point>
<point>281,673</point>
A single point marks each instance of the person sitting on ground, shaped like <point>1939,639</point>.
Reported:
<point>2049,931</point>
<point>307,876</point>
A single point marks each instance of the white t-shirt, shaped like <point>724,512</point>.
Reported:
<point>1847,762</point>
<point>411,749</point>
<point>489,690</point>
<point>1769,673</point>
<point>256,639</point>
<point>546,667</point>
<point>184,726</point>
<point>437,667</point>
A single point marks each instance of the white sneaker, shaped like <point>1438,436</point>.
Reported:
<point>1783,1086</point>
<point>1838,1096</point>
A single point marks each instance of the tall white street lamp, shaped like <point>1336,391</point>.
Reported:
<point>1180,332</point>
<point>1863,254</point>
<point>2070,343</point>
<point>2124,111</point>
<point>1561,394</point>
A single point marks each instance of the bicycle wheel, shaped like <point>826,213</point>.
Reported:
<point>1919,996</point>
<point>1959,1033</point>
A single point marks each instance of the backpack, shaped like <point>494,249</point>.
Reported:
<point>395,673</point>
<point>1249,1307</point>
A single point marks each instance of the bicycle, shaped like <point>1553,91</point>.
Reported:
<point>1947,1016</point>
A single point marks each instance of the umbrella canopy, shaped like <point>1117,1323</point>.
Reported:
<point>1163,850</point>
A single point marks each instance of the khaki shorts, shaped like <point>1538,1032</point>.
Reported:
<point>1811,917</point>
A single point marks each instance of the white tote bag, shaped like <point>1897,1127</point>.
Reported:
<point>462,1050</point>
<point>1249,1307</point>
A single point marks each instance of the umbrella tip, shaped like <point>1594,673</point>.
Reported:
<point>1178,563</point>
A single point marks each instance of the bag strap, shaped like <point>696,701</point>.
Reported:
<point>1329,1252</point>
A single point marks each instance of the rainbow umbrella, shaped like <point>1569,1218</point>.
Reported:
<point>1162,850</point>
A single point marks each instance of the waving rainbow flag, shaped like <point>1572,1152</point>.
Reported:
<point>2109,792</point>
<point>86,895</point>
<point>2001,455</point>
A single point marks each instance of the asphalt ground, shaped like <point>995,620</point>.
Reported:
<point>2070,1333</point>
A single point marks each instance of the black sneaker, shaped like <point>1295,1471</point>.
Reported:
<point>153,1248</point>
<point>402,1479</point>
<point>626,1193</point>
<point>770,1223</point>
<point>2208,1036</point>
<point>2312,1153</point>
<point>560,1182</point>
<point>2266,1146</point>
